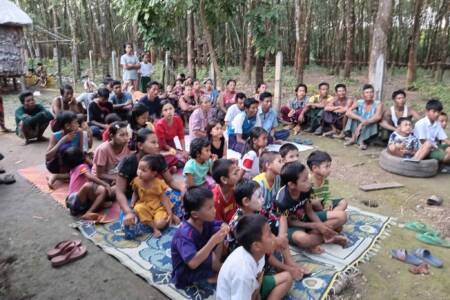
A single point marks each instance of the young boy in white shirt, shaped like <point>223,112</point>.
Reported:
<point>242,275</point>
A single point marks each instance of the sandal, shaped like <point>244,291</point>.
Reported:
<point>61,248</point>
<point>427,257</point>
<point>363,147</point>
<point>434,200</point>
<point>349,143</point>
<point>419,227</point>
<point>75,252</point>
<point>403,256</point>
<point>7,179</point>
<point>420,269</point>
<point>433,239</point>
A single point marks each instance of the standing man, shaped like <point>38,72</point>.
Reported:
<point>130,64</point>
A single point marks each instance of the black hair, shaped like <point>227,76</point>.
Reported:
<point>116,82</point>
<point>398,92</point>
<point>265,158</point>
<point>231,80</point>
<point>316,158</point>
<point>301,85</point>
<point>211,125</point>
<point>127,44</point>
<point>249,102</point>
<point>23,95</point>
<point>434,104</point>
<point>264,96</point>
<point>241,95</point>
<point>249,230</point>
<point>115,127</point>
<point>443,114</point>
<point>367,86</point>
<point>81,118</point>
<point>340,85</point>
<point>66,87</point>
<point>155,162</point>
<point>286,148</point>
<point>245,189</point>
<point>194,199</point>
<point>403,119</point>
<point>291,171</point>
<point>111,118</point>
<point>260,84</point>
<point>255,133</point>
<point>152,83</point>
<point>103,92</point>
<point>164,102</point>
<point>63,118</point>
<point>208,79</point>
<point>142,135</point>
<point>197,145</point>
<point>107,80</point>
<point>221,168</point>
<point>137,111</point>
<point>324,83</point>
<point>72,157</point>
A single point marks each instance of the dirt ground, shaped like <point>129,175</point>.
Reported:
<point>31,223</point>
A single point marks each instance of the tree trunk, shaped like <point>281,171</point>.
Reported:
<point>445,36</point>
<point>413,41</point>
<point>73,32</point>
<point>301,51</point>
<point>350,27</point>
<point>212,51</point>
<point>298,25</point>
<point>259,70</point>
<point>377,62</point>
<point>190,44</point>
<point>243,38</point>
<point>101,36</point>
<point>249,51</point>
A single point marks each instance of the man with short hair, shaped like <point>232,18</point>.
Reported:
<point>151,100</point>
<point>122,101</point>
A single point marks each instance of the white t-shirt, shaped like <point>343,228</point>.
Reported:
<point>232,112</point>
<point>238,276</point>
<point>146,69</point>
<point>238,121</point>
<point>424,130</point>
<point>129,60</point>
<point>250,164</point>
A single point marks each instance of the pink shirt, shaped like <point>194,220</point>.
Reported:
<point>105,156</point>
<point>77,178</point>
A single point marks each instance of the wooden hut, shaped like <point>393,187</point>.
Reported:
<point>12,21</point>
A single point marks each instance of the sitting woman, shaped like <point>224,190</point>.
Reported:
<point>260,88</point>
<point>138,119</point>
<point>200,118</point>
<point>97,112</point>
<point>187,104</point>
<point>210,92</point>
<point>108,154</point>
<point>364,116</point>
<point>68,135</point>
<point>334,117</point>
<point>167,128</point>
<point>226,99</point>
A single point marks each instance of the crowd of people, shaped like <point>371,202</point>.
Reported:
<point>238,217</point>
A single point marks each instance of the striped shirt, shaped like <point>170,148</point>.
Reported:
<point>322,192</point>
<point>269,192</point>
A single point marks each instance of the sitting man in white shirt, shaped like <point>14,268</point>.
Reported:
<point>242,276</point>
<point>235,109</point>
<point>429,129</point>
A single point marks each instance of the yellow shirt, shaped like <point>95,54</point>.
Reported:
<point>317,99</point>
<point>150,196</point>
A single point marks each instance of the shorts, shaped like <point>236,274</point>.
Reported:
<point>73,204</point>
<point>321,214</point>
<point>438,153</point>
<point>267,285</point>
<point>147,214</point>
<point>291,231</point>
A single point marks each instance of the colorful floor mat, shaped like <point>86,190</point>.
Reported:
<point>38,175</point>
<point>149,257</point>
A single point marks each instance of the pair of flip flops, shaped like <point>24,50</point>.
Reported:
<point>305,142</point>
<point>7,179</point>
<point>66,252</point>
<point>427,235</point>
<point>417,257</point>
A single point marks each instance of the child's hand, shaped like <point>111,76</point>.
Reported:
<point>173,151</point>
<point>296,272</point>
<point>220,235</point>
<point>328,206</point>
<point>70,136</point>
<point>214,157</point>
<point>326,231</point>
<point>281,242</point>
<point>174,219</point>
<point>291,113</point>
<point>129,219</point>
<point>225,227</point>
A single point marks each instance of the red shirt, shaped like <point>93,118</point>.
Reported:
<point>225,209</point>
<point>166,133</point>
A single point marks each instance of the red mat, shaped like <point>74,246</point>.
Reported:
<point>37,176</point>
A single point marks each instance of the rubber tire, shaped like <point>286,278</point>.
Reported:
<point>396,165</point>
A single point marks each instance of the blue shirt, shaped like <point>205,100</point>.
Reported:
<point>116,100</point>
<point>269,119</point>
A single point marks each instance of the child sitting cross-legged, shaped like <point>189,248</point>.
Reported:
<point>200,163</point>
<point>149,200</point>
<point>249,199</point>
<point>319,163</point>
<point>87,193</point>
<point>289,152</point>
<point>269,180</point>
<point>307,229</point>
<point>403,143</point>
<point>225,173</point>
<point>253,148</point>
<point>197,245</point>
<point>242,274</point>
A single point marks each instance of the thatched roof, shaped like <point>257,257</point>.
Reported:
<point>13,15</point>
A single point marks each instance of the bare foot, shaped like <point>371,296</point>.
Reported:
<point>349,142</point>
<point>156,233</point>
<point>42,139</point>
<point>339,240</point>
<point>315,250</point>
<point>329,133</point>
<point>51,181</point>
<point>296,272</point>
<point>90,216</point>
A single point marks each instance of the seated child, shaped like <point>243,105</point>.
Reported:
<point>197,244</point>
<point>255,144</point>
<point>219,146</point>
<point>319,163</point>
<point>443,119</point>
<point>289,152</point>
<point>87,193</point>
<point>149,200</point>
<point>270,164</point>
<point>200,163</point>
<point>225,173</point>
<point>242,274</point>
<point>307,229</point>
<point>87,133</point>
<point>403,143</point>
<point>111,118</point>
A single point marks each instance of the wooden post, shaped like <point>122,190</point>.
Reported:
<point>212,74</point>
<point>114,66</point>
<point>74,63</point>
<point>58,63</point>
<point>91,66</point>
<point>277,88</point>
<point>166,77</point>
